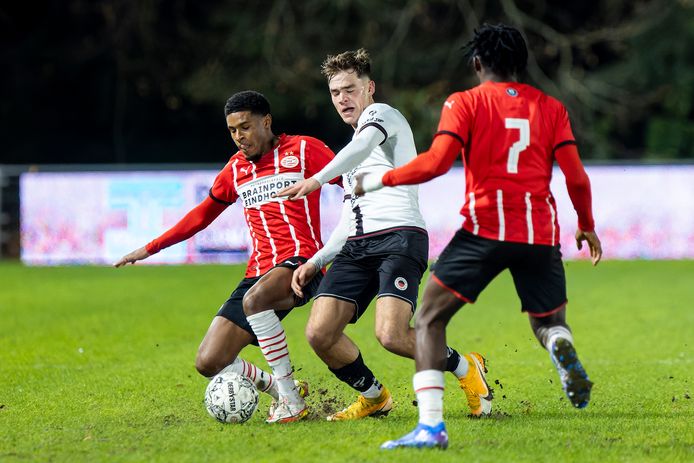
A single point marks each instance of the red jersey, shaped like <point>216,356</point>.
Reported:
<point>279,228</point>
<point>510,132</point>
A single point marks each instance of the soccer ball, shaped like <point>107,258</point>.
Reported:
<point>231,398</point>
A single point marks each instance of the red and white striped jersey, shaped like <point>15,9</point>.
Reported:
<point>509,132</point>
<point>279,228</point>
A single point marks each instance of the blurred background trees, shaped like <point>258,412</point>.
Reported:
<point>118,81</point>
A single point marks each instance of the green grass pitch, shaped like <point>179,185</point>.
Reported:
<point>96,364</point>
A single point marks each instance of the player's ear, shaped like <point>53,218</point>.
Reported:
<point>477,63</point>
<point>267,121</point>
<point>372,88</point>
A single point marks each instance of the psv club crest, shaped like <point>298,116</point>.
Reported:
<point>289,160</point>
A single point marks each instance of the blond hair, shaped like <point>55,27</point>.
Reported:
<point>358,61</point>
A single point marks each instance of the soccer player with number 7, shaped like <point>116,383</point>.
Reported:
<point>510,135</point>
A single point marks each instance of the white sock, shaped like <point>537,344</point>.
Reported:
<point>374,391</point>
<point>428,385</point>
<point>556,332</point>
<point>462,368</point>
<point>262,379</point>
<point>273,344</point>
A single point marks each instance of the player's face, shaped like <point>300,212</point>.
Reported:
<point>351,95</point>
<point>252,133</point>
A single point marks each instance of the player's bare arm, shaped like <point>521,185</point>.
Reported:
<point>131,258</point>
<point>594,244</point>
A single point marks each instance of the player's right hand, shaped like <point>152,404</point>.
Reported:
<point>302,275</point>
<point>131,258</point>
<point>593,244</point>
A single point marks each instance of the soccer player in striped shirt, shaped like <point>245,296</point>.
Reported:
<point>510,134</point>
<point>284,234</point>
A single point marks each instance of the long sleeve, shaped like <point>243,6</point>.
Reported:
<point>428,165</point>
<point>197,219</point>
<point>351,155</point>
<point>337,238</point>
<point>577,184</point>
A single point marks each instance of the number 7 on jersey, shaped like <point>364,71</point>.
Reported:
<point>514,151</point>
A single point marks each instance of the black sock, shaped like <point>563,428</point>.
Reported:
<point>452,359</point>
<point>356,375</point>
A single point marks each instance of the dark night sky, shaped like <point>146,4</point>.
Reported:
<point>88,81</point>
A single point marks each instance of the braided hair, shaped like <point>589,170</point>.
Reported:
<point>500,48</point>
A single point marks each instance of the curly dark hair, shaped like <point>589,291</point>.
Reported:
<point>358,61</point>
<point>247,100</point>
<point>500,48</point>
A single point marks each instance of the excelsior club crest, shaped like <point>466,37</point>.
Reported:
<point>401,283</point>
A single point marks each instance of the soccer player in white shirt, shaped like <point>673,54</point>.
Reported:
<point>380,247</point>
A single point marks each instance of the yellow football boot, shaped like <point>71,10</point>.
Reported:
<point>474,384</point>
<point>363,407</point>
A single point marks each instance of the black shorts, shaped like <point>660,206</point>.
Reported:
<point>232,309</point>
<point>469,263</point>
<point>388,264</point>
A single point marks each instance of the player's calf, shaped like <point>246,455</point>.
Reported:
<point>263,380</point>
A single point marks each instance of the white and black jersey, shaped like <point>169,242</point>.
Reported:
<point>390,138</point>
<point>380,246</point>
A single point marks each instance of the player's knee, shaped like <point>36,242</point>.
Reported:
<point>206,364</point>
<point>318,339</point>
<point>391,338</point>
<point>251,302</point>
<point>391,342</point>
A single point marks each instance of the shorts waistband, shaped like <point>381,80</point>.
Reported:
<point>388,230</point>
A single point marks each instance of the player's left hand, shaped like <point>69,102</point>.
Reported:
<point>302,275</point>
<point>365,182</point>
<point>131,258</point>
<point>300,189</point>
<point>593,244</point>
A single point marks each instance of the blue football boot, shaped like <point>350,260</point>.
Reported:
<point>423,436</point>
<point>574,378</point>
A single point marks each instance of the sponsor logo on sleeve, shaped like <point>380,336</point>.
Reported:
<point>512,92</point>
<point>449,103</point>
<point>373,116</point>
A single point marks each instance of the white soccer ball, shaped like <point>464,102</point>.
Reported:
<point>231,398</point>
